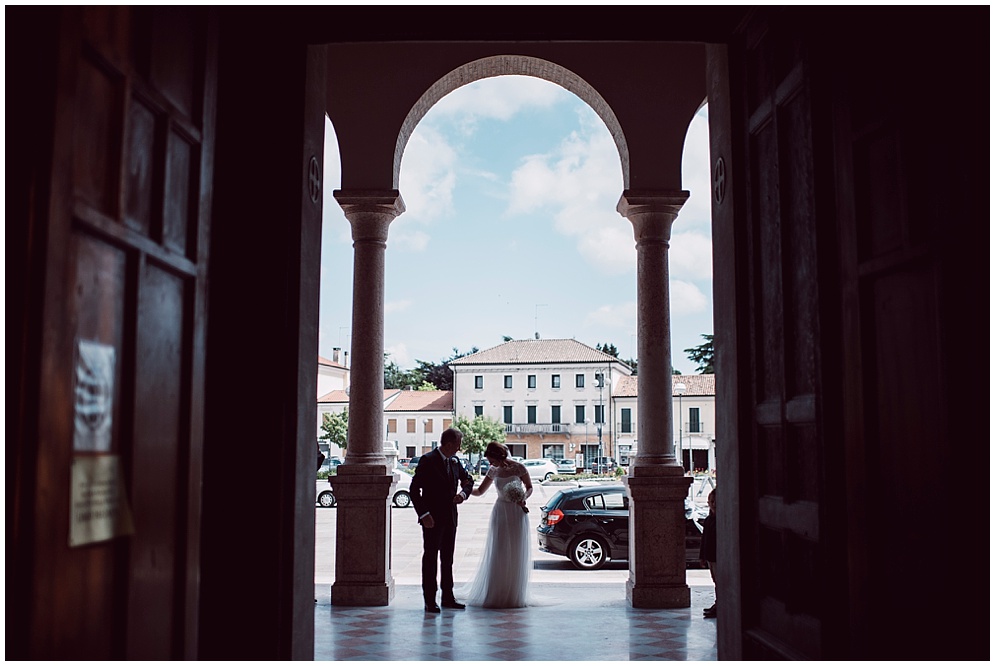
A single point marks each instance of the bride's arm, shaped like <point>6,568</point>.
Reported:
<point>527,480</point>
<point>482,488</point>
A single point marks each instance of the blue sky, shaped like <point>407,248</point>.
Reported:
<point>510,185</point>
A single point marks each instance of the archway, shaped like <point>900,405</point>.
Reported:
<point>657,485</point>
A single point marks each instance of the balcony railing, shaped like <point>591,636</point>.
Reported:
<point>553,428</point>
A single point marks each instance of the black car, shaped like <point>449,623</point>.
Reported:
<point>590,525</point>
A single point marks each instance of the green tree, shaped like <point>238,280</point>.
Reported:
<point>439,374</point>
<point>335,428</point>
<point>478,433</point>
<point>607,348</point>
<point>426,386</point>
<point>396,378</point>
<point>704,355</point>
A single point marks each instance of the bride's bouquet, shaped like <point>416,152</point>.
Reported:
<point>515,492</point>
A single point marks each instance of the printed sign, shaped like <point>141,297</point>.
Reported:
<point>94,401</point>
<point>99,509</point>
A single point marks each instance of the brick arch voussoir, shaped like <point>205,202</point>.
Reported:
<point>504,65</point>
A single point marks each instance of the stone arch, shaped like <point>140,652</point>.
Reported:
<point>503,65</point>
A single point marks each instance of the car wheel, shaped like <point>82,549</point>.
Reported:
<point>589,552</point>
<point>326,499</point>
<point>549,475</point>
<point>402,499</point>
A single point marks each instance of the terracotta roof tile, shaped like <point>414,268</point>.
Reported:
<point>697,385</point>
<point>422,401</point>
<point>339,395</point>
<point>332,364</point>
<point>536,351</point>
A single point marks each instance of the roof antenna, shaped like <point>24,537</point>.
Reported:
<point>538,305</point>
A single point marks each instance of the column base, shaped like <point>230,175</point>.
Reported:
<point>362,535</point>
<point>652,596</point>
<point>657,568</point>
<point>362,594</point>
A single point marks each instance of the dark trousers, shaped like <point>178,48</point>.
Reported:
<point>439,544</point>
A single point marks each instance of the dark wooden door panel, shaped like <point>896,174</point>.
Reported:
<point>127,225</point>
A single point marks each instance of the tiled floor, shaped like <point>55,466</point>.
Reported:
<point>586,622</point>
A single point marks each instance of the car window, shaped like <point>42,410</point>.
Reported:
<point>615,502</point>
<point>595,503</point>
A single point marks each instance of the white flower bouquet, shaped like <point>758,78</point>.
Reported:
<point>515,492</point>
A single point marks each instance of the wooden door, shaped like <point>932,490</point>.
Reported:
<point>775,329</point>
<point>850,230</point>
<point>117,254</point>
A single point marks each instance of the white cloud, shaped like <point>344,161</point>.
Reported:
<point>696,176</point>
<point>401,237</point>
<point>581,181</point>
<point>615,315</point>
<point>691,256</point>
<point>499,97</point>
<point>428,175</point>
<point>396,306</point>
<point>399,354</point>
<point>686,298</point>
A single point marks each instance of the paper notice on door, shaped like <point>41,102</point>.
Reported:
<point>93,410</point>
<point>99,509</point>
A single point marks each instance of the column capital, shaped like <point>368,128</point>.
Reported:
<point>641,202</point>
<point>383,202</point>
<point>370,212</point>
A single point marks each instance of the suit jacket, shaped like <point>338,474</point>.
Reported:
<point>433,491</point>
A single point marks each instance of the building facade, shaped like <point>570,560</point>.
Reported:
<point>333,374</point>
<point>414,420</point>
<point>554,397</point>
<point>694,420</point>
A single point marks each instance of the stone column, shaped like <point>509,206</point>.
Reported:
<point>656,482</point>
<point>362,483</point>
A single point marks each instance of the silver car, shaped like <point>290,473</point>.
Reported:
<point>540,469</point>
<point>566,466</point>
<point>401,498</point>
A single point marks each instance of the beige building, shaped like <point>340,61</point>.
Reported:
<point>333,373</point>
<point>416,419</point>
<point>694,420</point>
<point>553,396</point>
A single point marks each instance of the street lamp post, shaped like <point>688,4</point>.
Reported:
<point>601,421</point>
<point>679,389</point>
<point>584,452</point>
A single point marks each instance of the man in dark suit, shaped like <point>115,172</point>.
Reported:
<point>440,484</point>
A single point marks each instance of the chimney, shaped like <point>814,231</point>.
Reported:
<point>345,359</point>
<point>335,354</point>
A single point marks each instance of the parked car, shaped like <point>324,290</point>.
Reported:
<point>324,496</point>
<point>329,464</point>
<point>402,492</point>
<point>566,466</point>
<point>590,525</point>
<point>603,465</point>
<point>518,458</point>
<point>541,469</point>
<point>413,462</point>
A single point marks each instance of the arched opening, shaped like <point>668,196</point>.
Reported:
<point>410,236</point>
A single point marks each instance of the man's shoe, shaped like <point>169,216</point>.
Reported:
<point>452,603</point>
<point>710,613</point>
<point>432,608</point>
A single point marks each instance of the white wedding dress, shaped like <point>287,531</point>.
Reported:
<point>502,581</point>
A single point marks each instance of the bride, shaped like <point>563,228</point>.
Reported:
<point>503,578</point>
